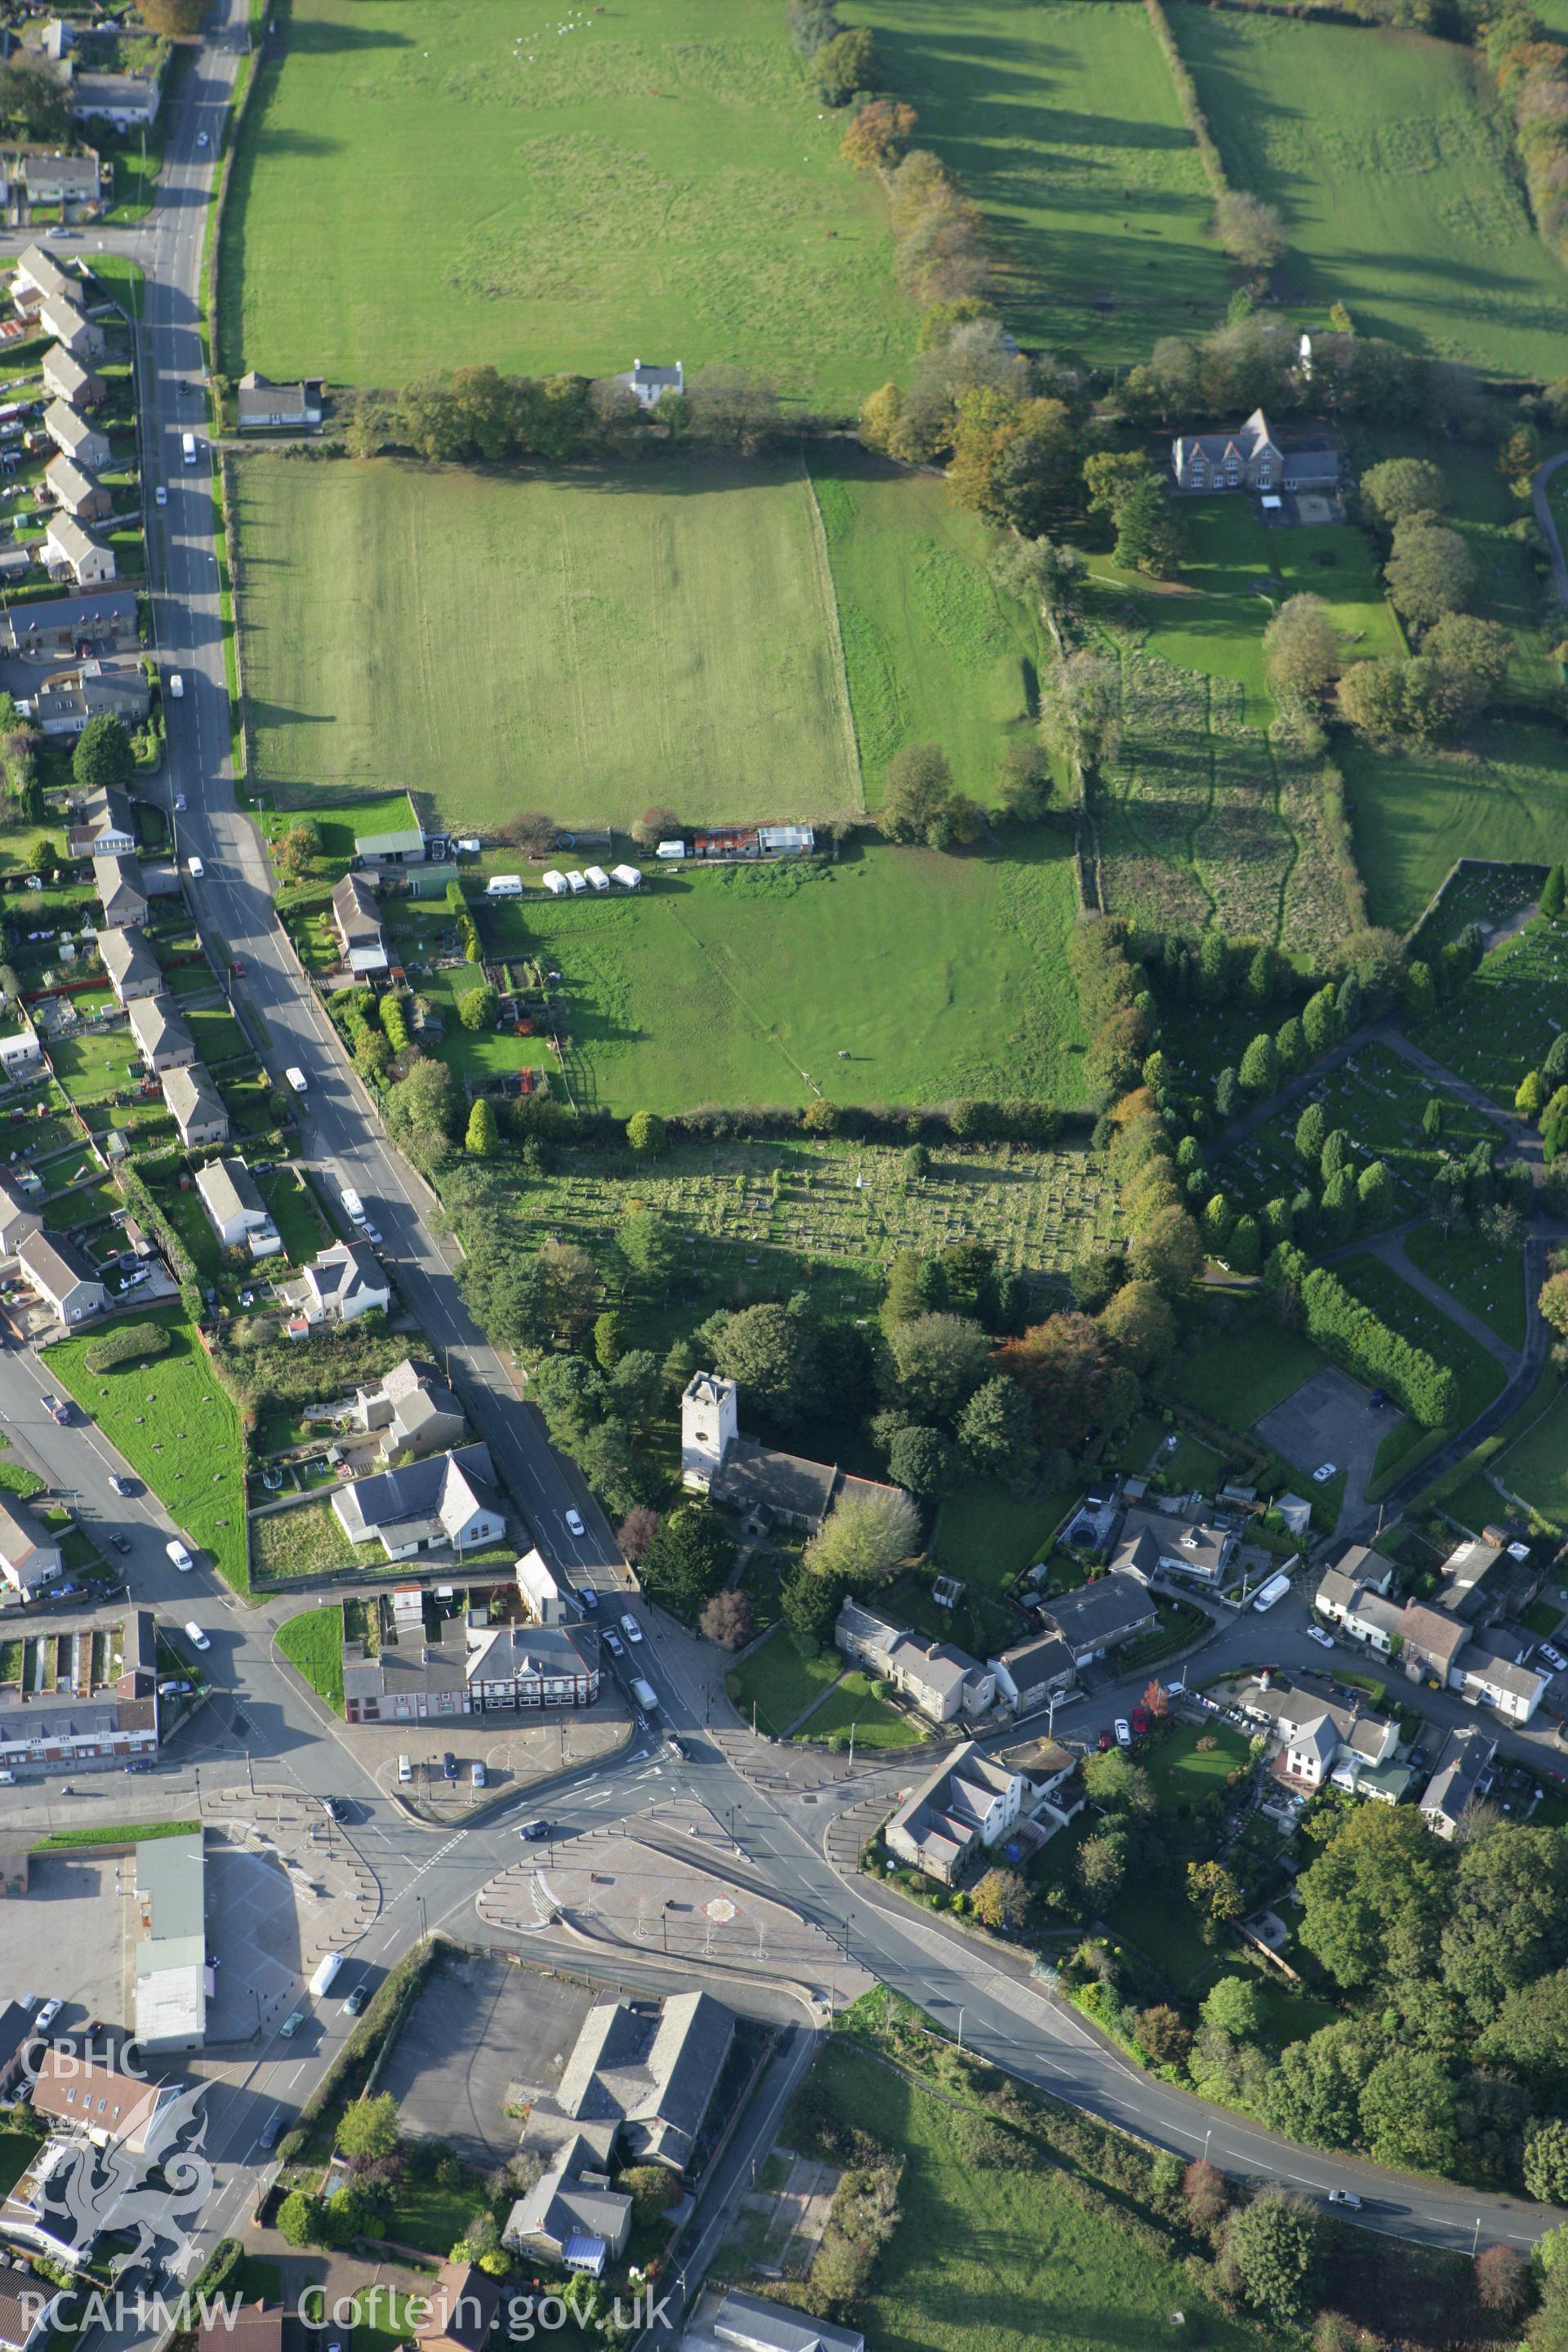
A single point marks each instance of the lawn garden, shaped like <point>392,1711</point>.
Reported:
<point>179,1429</point>
<point>314,1642</point>
<point>1064,126</point>
<point>890,976</point>
<point>1398,188</point>
<point>430,183</point>
<point>776,1683</point>
<point>585,646</point>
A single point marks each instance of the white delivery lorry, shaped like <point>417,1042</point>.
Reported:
<point>326,1974</point>
<point>644,1694</point>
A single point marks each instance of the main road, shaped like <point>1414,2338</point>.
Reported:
<point>261,1713</point>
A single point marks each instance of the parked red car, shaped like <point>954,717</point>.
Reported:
<point>1139,1723</point>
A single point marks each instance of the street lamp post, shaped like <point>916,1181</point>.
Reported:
<point>961,2029</point>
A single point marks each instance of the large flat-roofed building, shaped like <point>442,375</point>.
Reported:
<point>172,1977</point>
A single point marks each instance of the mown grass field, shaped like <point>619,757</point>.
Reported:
<point>1488,1281</point>
<point>932,653</point>
<point>585,646</point>
<point>1416,812</point>
<point>937,976</point>
<point>425,183</point>
<point>1063,125</point>
<point>1535,1467</point>
<point>1398,195</point>
<point>779,1683</point>
<point>179,1430</point>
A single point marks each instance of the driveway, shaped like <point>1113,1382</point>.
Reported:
<point>1548,525</point>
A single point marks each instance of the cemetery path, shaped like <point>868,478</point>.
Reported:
<point>1390,1248</point>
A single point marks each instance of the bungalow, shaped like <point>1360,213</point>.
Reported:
<point>27,2307</point>
<point>162,1037</point>
<point>113,689</point>
<point>195,1104</point>
<point>408,846</point>
<point>69,550</point>
<point>1033,1673</point>
<point>460,2312</point>
<point>235,1209</point>
<point>572,2215</point>
<point>102,826</point>
<point>17,1221</point>
<point>30,1556</point>
<point>120,886</point>
<point>345,1282</point>
<point>964,1805</point>
<point>356,918</point>
<point>261,406</point>
<point>130,963</point>
<point>411,1412</point>
<point>748,2324</point>
<point>66,378</point>
<point>128,100</point>
<point>83,337</point>
<point>1154,1542</point>
<point>72,433</point>
<point>72,624</point>
<point>649,383</point>
<point>1461,1779</point>
<point>1100,1618</point>
<point>448,1500</point>
<point>939,1679</point>
<point>37,273</point>
<point>61,1270</point>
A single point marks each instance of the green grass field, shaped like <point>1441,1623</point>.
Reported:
<point>932,653</point>
<point>1535,1466</point>
<point>1398,193</point>
<point>1063,125</point>
<point>1237,1376</point>
<point>424,183</point>
<point>314,1642</point>
<point>178,1429</point>
<point>1416,812</point>
<point>588,646</point>
<point>940,976</point>
<point>305,1542</point>
<point>1181,1775</point>
<point>983,2251</point>
<point>854,1704</point>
